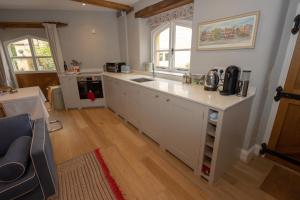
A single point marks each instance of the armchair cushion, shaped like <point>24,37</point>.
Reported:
<point>26,184</point>
<point>12,128</point>
<point>14,163</point>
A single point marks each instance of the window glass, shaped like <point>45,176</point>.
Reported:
<point>45,64</point>
<point>31,54</point>
<point>23,64</point>
<point>172,47</point>
<point>41,48</point>
<point>163,40</point>
<point>183,39</point>
<point>20,49</point>
<point>182,60</point>
<point>162,59</point>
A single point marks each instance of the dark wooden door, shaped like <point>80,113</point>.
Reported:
<point>285,137</point>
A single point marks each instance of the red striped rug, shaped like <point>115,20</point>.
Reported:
<point>86,178</point>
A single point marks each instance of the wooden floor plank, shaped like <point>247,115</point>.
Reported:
<point>142,169</point>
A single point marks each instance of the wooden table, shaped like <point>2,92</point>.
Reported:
<point>29,100</point>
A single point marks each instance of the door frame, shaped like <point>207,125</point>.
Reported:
<point>282,79</point>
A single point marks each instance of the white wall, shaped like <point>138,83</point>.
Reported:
<point>77,40</point>
<point>123,37</point>
<point>259,60</point>
<point>133,41</point>
<point>139,36</point>
<point>276,70</point>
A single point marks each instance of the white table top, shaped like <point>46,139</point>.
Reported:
<point>29,100</point>
<point>195,93</point>
<point>22,93</point>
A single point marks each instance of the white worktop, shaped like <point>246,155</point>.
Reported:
<point>195,93</point>
<point>81,74</point>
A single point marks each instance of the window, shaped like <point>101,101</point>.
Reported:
<point>30,54</point>
<point>171,46</point>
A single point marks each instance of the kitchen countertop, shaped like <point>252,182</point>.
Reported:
<point>195,93</point>
<point>89,72</point>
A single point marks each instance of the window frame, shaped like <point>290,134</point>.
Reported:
<point>172,41</point>
<point>33,56</point>
<point>154,33</point>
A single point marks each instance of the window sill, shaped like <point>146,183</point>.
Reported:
<point>170,73</point>
<point>163,74</point>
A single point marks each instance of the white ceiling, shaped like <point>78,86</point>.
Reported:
<point>53,5</point>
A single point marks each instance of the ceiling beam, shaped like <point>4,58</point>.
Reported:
<point>161,7</point>
<point>5,25</point>
<point>107,4</point>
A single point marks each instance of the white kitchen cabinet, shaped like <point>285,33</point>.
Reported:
<point>181,125</point>
<point>121,95</point>
<point>172,122</point>
<point>133,104</point>
<point>115,95</point>
<point>183,129</point>
<point>107,83</point>
<point>152,114</point>
<point>70,91</point>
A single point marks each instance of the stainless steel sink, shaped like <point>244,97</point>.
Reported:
<point>142,80</point>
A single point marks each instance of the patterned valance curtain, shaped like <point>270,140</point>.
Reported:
<point>183,12</point>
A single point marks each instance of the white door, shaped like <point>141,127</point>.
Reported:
<point>151,114</point>
<point>122,96</point>
<point>107,90</point>
<point>183,130</point>
<point>115,95</point>
<point>133,104</point>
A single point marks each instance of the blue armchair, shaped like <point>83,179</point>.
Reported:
<point>27,168</point>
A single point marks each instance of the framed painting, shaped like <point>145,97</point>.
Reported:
<point>235,32</point>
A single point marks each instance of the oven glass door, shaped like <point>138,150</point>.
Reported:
<point>84,86</point>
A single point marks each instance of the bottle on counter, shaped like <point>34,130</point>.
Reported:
<point>187,78</point>
<point>65,66</point>
<point>184,78</point>
<point>243,83</point>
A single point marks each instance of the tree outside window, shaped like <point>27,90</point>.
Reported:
<point>30,54</point>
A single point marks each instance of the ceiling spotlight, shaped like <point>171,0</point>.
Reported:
<point>84,4</point>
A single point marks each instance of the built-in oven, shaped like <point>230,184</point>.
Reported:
<point>88,84</point>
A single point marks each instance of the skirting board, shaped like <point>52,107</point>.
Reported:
<point>247,155</point>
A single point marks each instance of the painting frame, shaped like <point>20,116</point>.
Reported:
<point>245,45</point>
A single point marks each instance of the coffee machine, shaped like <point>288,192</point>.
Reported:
<point>231,77</point>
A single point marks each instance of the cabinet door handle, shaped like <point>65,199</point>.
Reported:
<point>168,100</point>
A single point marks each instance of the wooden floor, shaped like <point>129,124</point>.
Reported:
<point>141,168</point>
